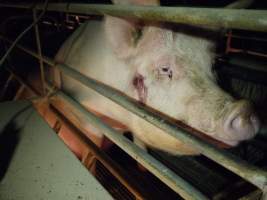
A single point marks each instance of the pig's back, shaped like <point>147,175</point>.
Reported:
<point>88,52</point>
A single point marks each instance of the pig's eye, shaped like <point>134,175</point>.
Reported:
<point>165,71</point>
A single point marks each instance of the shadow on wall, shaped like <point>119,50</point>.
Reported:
<point>9,139</point>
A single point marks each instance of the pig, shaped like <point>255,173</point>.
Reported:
<point>162,66</point>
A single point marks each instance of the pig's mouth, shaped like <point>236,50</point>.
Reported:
<point>232,143</point>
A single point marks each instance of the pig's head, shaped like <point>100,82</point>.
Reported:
<point>173,74</point>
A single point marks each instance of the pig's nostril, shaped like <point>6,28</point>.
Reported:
<point>255,122</point>
<point>237,123</point>
<point>243,126</point>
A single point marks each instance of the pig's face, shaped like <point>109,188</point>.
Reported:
<point>173,74</point>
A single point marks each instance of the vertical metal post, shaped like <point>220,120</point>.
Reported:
<point>39,49</point>
<point>19,92</point>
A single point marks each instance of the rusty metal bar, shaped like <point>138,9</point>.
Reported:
<point>179,185</point>
<point>255,20</point>
<point>251,173</point>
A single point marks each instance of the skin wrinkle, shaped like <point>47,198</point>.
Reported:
<point>204,106</point>
<point>196,79</point>
<point>215,103</point>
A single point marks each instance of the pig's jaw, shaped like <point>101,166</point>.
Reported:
<point>231,143</point>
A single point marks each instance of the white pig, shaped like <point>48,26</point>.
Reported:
<point>162,67</point>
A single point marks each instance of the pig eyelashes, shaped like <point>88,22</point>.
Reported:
<point>139,85</point>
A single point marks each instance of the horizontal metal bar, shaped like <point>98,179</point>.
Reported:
<point>249,172</point>
<point>255,20</point>
<point>175,182</point>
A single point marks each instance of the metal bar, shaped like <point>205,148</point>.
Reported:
<point>255,20</point>
<point>39,49</point>
<point>249,172</point>
<point>242,37</point>
<point>239,4</point>
<point>235,50</point>
<point>175,182</point>
<point>113,167</point>
<point>22,82</point>
<point>103,158</point>
<point>229,161</point>
<point>19,92</point>
<point>245,62</point>
<point>3,92</point>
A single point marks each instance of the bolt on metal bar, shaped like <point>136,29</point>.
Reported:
<point>179,185</point>
<point>251,173</point>
<point>39,48</point>
<point>255,20</point>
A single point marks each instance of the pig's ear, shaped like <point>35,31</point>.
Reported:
<point>137,2</point>
<point>123,34</point>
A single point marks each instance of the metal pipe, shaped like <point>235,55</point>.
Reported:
<point>245,62</point>
<point>179,185</point>
<point>251,173</point>
<point>242,37</point>
<point>255,20</point>
<point>39,49</point>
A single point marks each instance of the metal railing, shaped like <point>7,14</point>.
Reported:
<point>255,20</point>
<point>227,18</point>
<point>255,175</point>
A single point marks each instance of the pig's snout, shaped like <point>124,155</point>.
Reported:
<point>241,123</point>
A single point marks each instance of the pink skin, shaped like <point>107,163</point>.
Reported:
<point>167,69</point>
<point>241,124</point>
<point>67,134</point>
